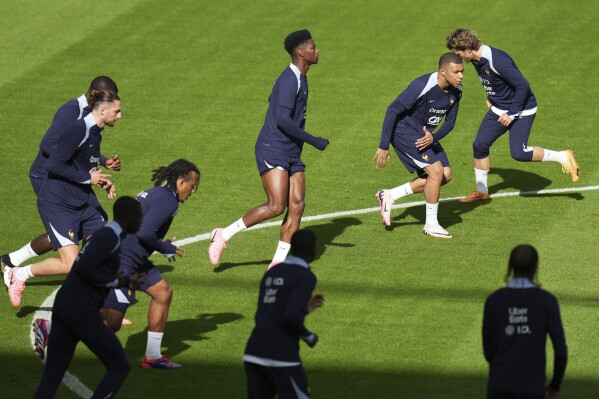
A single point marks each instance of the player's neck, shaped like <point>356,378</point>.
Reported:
<point>301,65</point>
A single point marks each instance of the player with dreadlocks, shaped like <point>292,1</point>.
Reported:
<point>173,184</point>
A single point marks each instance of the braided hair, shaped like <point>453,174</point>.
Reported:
<point>168,175</point>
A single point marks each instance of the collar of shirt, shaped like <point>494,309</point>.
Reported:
<point>82,100</point>
<point>113,224</point>
<point>520,282</point>
<point>298,75</point>
<point>294,260</point>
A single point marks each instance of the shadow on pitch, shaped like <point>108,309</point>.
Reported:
<point>328,234</point>
<point>224,266</point>
<point>526,182</point>
<point>450,213</point>
<point>29,310</point>
<point>179,332</point>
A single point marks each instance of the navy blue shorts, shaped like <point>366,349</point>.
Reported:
<point>67,226</point>
<point>404,144</point>
<point>121,298</point>
<point>265,382</point>
<point>509,395</point>
<point>267,160</point>
<point>490,130</point>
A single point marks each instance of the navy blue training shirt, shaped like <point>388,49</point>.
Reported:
<point>284,294</point>
<point>506,87</point>
<point>70,111</point>
<point>71,160</point>
<point>93,274</point>
<point>283,129</point>
<point>516,322</point>
<point>422,104</point>
<point>160,205</point>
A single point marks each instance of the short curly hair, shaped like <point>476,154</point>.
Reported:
<point>463,40</point>
<point>295,39</point>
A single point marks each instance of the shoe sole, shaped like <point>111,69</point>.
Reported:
<point>216,261</point>
<point>381,205</point>
<point>436,235</point>
<point>7,276</point>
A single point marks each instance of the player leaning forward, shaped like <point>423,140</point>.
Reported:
<point>278,150</point>
<point>512,106</point>
<point>407,126</point>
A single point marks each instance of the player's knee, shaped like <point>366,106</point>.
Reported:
<point>276,209</point>
<point>447,176</point>
<point>520,155</point>
<point>480,150</point>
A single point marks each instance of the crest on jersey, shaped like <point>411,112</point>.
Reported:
<point>487,71</point>
<point>71,234</point>
<point>425,157</point>
<point>451,101</point>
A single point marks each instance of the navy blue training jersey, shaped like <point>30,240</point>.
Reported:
<point>516,322</point>
<point>292,94</point>
<point>72,159</point>
<point>93,273</point>
<point>422,104</point>
<point>284,294</point>
<point>70,111</point>
<point>506,87</point>
<point>160,205</point>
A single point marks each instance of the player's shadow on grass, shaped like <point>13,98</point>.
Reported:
<point>179,332</point>
<point>326,233</point>
<point>29,310</point>
<point>527,183</point>
<point>165,268</point>
<point>450,213</point>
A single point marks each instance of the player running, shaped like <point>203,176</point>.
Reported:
<point>512,106</point>
<point>408,124</point>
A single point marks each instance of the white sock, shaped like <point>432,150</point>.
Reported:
<point>23,273</point>
<point>233,229</point>
<point>431,213</point>
<point>554,156</point>
<point>22,255</point>
<point>154,344</point>
<point>481,180</point>
<point>401,191</point>
<point>282,251</point>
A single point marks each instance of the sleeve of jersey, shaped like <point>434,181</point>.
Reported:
<point>102,160</point>
<point>560,350</point>
<point>512,75</point>
<point>66,148</point>
<point>94,253</point>
<point>449,123</point>
<point>155,217</point>
<point>394,111</point>
<point>487,332</point>
<point>295,311</point>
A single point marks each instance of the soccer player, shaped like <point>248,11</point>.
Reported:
<point>63,200</point>
<point>173,184</point>
<point>408,124</point>
<point>512,106</point>
<point>76,312</point>
<point>70,111</point>
<point>272,361</point>
<point>278,150</point>
<point>516,321</point>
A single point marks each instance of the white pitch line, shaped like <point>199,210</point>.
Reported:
<point>75,385</point>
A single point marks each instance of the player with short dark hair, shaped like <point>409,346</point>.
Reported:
<point>516,322</point>
<point>76,312</point>
<point>63,200</point>
<point>408,124</point>
<point>70,111</point>
<point>278,150</point>
<point>173,184</point>
<point>512,106</point>
<point>272,362</point>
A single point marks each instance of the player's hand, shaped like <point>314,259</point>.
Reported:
<point>321,143</point>
<point>136,281</point>
<point>311,340</point>
<point>424,141</point>
<point>489,103</point>
<point>114,163</point>
<point>315,302</point>
<point>505,120</point>
<point>381,157</point>
<point>97,178</point>
<point>110,189</point>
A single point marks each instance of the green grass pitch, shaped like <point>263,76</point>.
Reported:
<point>403,311</point>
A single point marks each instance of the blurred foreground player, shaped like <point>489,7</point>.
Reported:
<point>408,124</point>
<point>512,106</point>
<point>70,111</point>
<point>76,313</point>
<point>272,362</point>
<point>278,150</point>
<point>173,185</point>
<point>516,321</point>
